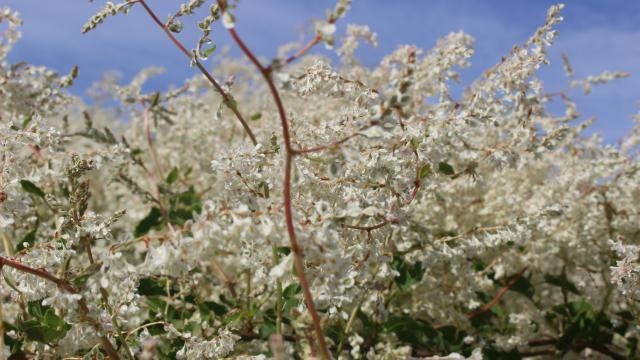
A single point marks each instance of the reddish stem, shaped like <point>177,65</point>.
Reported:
<point>225,97</point>
<point>316,39</point>
<point>498,296</point>
<point>493,301</point>
<point>289,154</point>
<point>37,272</point>
<point>366,228</point>
<point>64,285</point>
<point>325,147</point>
<point>37,153</point>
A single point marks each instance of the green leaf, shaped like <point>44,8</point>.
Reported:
<point>175,26</point>
<point>153,287</point>
<point>267,329</point>
<point>29,238</point>
<point>155,99</point>
<point>524,287</point>
<point>256,116</point>
<point>408,274</point>
<point>81,280</point>
<point>156,305</point>
<point>263,188</point>
<point>183,205</point>
<point>31,188</point>
<point>415,143</point>
<point>212,306</point>
<point>562,282</point>
<point>285,250</point>
<point>15,345</point>
<point>45,326</point>
<point>565,341</point>
<point>173,176</point>
<point>291,291</point>
<point>207,52</point>
<point>151,221</point>
<point>233,317</point>
<point>409,330</point>
<point>445,168</point>
<point>425,171</point>
<point>35,309</point>
<point>26,121</point>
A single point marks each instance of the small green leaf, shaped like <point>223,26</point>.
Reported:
<point>562,282</point>
<point>74,71</point>
<point>31,188</point>
<point>175,26</point>
<point>291,291</point>
<point>173,176</point>
<point>207,52</point>
<point>263,188</point>
<point>445,168</point>
<point>27,121</point>
<point>183,205</point>
<point>81,280</point>
<point>267,329</point>
<point>408,274</point>
<point>152,220</point>
<point>410,330</point>
<point>153,287</point>
<point>45,326</point>
<point>524,287</point>
<point>233,317</point>
<point>29,238</point>
<point>256,116</point>
<point>155,99</point>
<point>425,171</point>
<point>415,143</point>
<point>213,306</point>
<point>35,309</point>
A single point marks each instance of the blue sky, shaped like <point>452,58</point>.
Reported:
<point>597,35</point>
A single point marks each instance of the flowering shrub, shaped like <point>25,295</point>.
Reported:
<point>300,209</point>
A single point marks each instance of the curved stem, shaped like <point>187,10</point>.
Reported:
<point>225,97</point>
<point>289,154</point>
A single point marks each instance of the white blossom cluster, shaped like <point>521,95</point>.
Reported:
<point>429,225</point>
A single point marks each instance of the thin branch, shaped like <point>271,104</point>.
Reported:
<point>326,147</point>
<point>366,228</point>
<point>64,285</point>
<point>493,301</point>
<point>313,42</point>
<point>225,97</point>
<point>498,296</point>
<point>289,154</point>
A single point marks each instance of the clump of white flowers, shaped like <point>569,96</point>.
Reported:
<point>357,213</point>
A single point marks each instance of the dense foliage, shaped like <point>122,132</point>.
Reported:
<point>376,215</point>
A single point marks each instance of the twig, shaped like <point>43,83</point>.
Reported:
<point>366,228</point>
<point>225,97</point>
<point>498,296</point>
<point>493,301</point>
<point>64,285</point>
<point>326,147</point>
<point>289,154</point>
